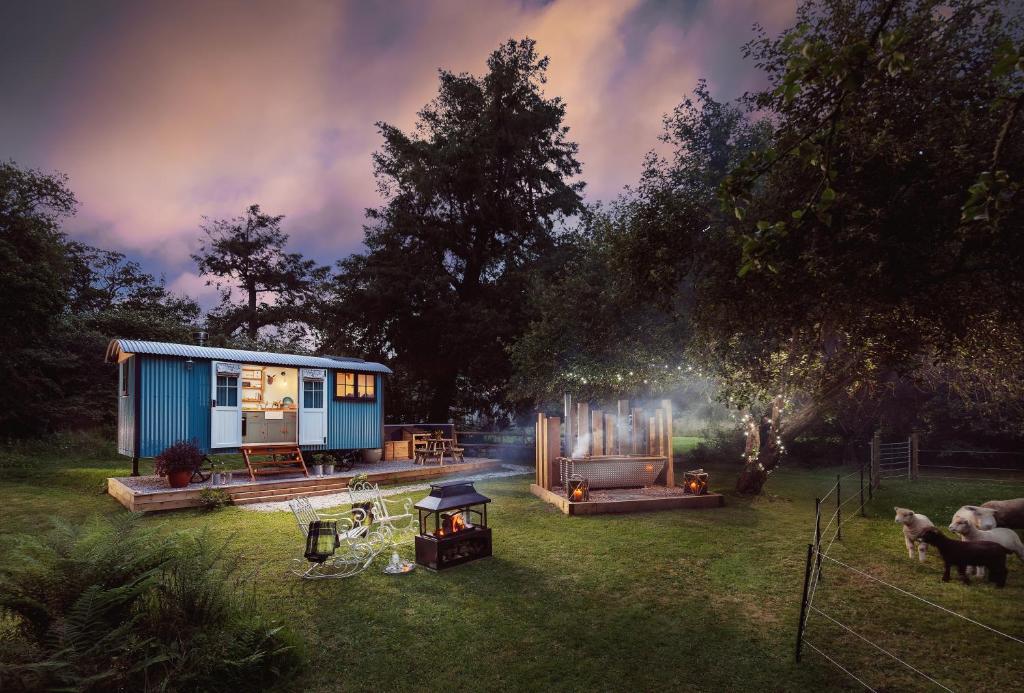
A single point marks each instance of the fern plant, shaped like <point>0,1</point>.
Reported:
<point>114,605</point>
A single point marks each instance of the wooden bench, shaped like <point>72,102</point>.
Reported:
<point>273,459</point>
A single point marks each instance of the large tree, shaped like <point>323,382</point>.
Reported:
<point>864,244</point>
<point>474,195</point>
<point>880,226</point>
<point>261,285</point>
<point>62,301</point>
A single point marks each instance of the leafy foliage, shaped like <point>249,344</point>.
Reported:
<point>113,606</point>
<point>66,300</point>
<point>214,498</point>
<point>474,195</point>
<point>183,455</point>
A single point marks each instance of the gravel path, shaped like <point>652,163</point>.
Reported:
<point>336,499</point>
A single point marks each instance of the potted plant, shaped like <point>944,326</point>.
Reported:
<point>178,462</point>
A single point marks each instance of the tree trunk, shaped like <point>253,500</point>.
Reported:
<point>252,327</point>
<point>754,475</point>
<point>444,395</point>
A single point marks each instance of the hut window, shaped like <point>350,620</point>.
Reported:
<point>124,378</point>
<point>349,385</point>
<point>227,390</point>
<point>313,394</point>
<point>367,385</point>
<point>345,385</point>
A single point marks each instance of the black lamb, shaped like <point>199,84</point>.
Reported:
<point>986,554</point>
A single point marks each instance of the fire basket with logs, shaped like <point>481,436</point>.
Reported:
<point>453,526</point>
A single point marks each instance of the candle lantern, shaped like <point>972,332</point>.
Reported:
<point>321,541</point>
<point>577,489</point>
<point>695,482</point>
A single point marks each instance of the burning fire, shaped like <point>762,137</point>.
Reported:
<point>451,524</point>
<point>649,468</point>
<point>577,494</point>
<point>694,486</point>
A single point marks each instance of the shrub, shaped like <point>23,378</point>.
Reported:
<point>721,446</point>
<point>115,606</point>
<point>181,456</point>
<point>213,498</point>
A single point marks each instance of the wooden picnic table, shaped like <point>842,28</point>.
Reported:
<point>436,448</point>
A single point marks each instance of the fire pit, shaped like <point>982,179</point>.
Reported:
<point>613,471</point>
<point>453,526</point>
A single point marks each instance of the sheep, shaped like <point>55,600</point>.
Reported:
<point>913,524</point>
<point>1008,513</point>
<point>986,554</point>
<point>982,518</point>
<point>1006,538</point>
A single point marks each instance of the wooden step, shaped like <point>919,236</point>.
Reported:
<point>283,458</point>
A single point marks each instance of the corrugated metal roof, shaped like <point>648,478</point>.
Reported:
<point>135,346</point>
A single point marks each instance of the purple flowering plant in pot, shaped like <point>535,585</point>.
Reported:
<point>178,462</point>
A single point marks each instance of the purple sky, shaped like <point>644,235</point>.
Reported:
<point>162,112</point>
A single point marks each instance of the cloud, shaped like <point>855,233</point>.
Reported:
<point>171,111</point>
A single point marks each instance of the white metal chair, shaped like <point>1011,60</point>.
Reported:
<point>404,523</point>
<point>358,542</point>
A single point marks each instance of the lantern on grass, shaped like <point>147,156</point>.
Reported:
<point>321,541</point>
<point>695,482</point>
<point>577,489</point>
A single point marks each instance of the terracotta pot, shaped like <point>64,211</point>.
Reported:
<point>179,478</point>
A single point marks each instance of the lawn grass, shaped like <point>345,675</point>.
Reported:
<point>681,444</point>
<point>691,600</point>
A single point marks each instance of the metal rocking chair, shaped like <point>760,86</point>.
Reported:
<point>352,548</point>
<point>366,495</point>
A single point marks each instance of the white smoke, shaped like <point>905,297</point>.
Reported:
<point>582,447</point>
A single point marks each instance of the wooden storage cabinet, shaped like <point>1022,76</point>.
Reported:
<point>397,449</point>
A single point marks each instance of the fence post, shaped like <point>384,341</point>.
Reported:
<point>839,508</point>
<point>817,533</point>
<point>913,455</point>
<point>803,603</point>
<point>876,454</point>
<point>817,521</point>
<point>863,513</point>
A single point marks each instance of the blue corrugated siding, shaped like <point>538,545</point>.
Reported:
<point>126,411</point>
<point>175,403</point>
<point>352,425</point>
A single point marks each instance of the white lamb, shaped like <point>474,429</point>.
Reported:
<point>963,525</point>
<point>982,518</point>
<point>914,524</point>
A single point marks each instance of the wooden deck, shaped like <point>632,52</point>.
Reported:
<point>145,494</point>
<point>628,503</point>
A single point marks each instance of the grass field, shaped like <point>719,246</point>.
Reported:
<point>687,600</point>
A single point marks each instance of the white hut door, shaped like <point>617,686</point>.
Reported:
<point>226,406</point>
<point>313,406</point>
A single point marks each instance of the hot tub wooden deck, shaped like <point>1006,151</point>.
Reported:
<point>148,494</point>
<point>627,501</point>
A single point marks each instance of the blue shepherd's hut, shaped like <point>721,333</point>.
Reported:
<point>224,399</point>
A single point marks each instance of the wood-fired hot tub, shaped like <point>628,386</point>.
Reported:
<point>613,471</point>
